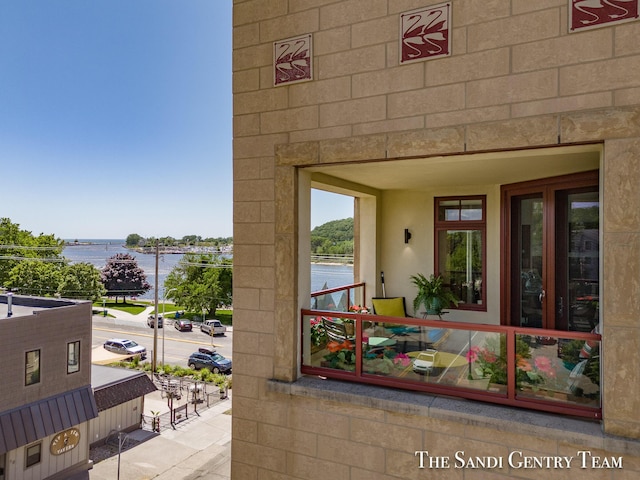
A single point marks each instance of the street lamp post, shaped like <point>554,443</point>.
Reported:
<point>164,320</point>
<point>154,362</point>
<point>122,437</point>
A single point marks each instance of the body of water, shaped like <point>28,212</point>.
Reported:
<point>97,251</point>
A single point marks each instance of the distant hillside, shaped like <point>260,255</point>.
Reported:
<point>334,237</point>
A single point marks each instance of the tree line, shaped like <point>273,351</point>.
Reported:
<point>34,265</point>
<point>134,240</point>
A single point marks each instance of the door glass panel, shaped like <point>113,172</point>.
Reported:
<point>530,261</point>
<point>583,261</point>
<point>553,255</point>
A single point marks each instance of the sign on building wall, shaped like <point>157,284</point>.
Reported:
<point>584,14</point>
<point>425,33</point>
<point>65,441</point>
<point>292,60</point>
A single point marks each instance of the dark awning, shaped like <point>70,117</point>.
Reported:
<point>26,424</point>
<point>117,393</point>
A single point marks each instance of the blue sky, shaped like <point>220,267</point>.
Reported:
<point>116,118</point>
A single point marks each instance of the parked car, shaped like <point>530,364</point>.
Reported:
<point>425,362</point>
<point>213,327</point>
<point>151,320</point>
<point>124,346</point>
<point>183,324</point>
<point>207,358</point>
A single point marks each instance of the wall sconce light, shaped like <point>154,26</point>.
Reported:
<point>407,235</point>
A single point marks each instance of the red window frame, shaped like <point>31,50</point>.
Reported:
<point>447,225</point>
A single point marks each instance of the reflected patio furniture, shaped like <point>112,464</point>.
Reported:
<point>377,345</point>
<point>336,330</point>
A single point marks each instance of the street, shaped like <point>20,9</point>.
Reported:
<point>173,346</point>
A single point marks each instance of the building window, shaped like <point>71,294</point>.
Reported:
<point>32,367</point>
<point>33,454</point>
<point>460,242</point>
<point>73,357</point>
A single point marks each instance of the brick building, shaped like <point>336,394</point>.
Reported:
<point>511,123</point>
<point>46,402</point>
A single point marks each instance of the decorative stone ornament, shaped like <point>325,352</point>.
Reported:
<point>293,60</point>
<point>586,14</point>
<point>425,33</point>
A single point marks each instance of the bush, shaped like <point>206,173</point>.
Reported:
<point>203,375</point>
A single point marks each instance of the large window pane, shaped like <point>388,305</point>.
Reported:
<point>558,369</point>
<point>583,261</point>
<point>460,263</point>
<point>460,210</point>
<point>33,455</point>
<point>460,229</point>
<point>73,357</point>
<point>32,367</point>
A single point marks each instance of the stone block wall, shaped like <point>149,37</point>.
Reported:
<point>516,79</point>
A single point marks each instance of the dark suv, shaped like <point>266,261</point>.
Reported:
<point>206,358</point>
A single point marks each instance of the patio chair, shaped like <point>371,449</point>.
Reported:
<point>393,307</point>
<point>336,331</point>
<point>389,307</point>
<point>396,307</point>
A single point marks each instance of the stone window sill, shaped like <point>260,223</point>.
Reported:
<point>575,431</point>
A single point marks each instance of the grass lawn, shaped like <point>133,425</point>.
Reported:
<point>225,316</point>
<point>138,306</point>
<point>132,308</point>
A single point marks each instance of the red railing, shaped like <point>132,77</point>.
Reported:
<point>326,300</point>
<point>546,370</point>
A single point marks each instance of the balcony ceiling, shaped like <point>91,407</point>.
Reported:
<point>460,170</point>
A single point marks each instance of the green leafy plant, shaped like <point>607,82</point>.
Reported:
<point>491,360</point>
<point>341,356</point>
<point>573,353</point>
<point>318,333</point>
<point>432,293</point>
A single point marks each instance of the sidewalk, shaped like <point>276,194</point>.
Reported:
<point>199,447</point>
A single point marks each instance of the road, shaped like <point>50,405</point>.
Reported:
<point>177,345</point>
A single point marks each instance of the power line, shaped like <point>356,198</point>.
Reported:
<point>36,259</point>
<point>26,247</point>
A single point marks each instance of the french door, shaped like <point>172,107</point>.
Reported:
<point>550,262</point>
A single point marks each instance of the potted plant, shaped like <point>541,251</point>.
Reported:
<point>432,293</point>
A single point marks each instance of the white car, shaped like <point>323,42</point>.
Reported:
<point>151,321</point>
<point>213,327</point>
<point>425,362</point>
<point>125,346</point>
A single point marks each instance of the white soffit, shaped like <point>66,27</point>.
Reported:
<point>496,168</point>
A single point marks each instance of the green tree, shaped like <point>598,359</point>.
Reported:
<point>33,277</point>
<point>201,282</point>
<point>81,280</point>
<point>191,239</point>
<point>133,240</point>
<point>122,277</point>
<point>17,244</point>
<point>334,237</point>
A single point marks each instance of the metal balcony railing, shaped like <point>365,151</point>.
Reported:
<point>547,370</point>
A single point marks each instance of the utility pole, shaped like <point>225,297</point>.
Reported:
<point>154,363</point>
